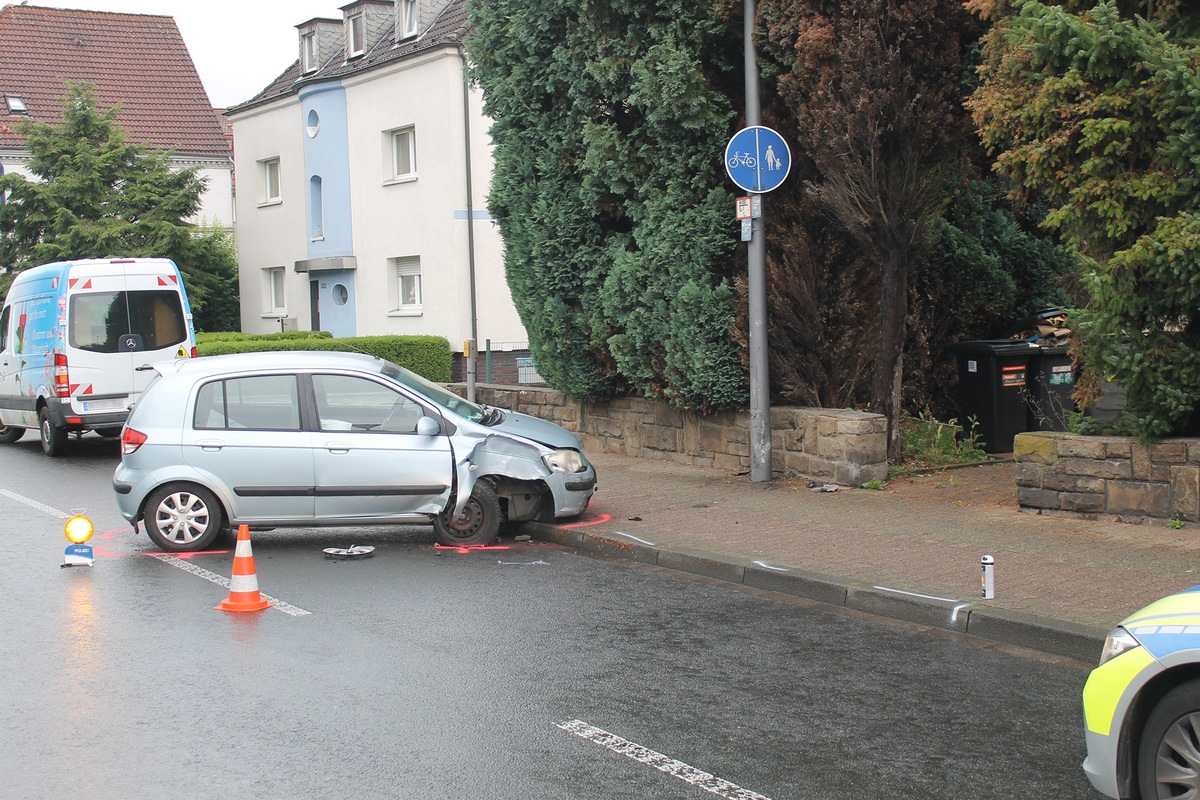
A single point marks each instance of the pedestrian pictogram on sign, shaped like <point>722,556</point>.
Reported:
<point>757,159</point>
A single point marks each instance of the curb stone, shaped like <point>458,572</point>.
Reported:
<point>1055,637</point>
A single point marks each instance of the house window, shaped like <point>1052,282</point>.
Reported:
<point>16,104</point>
<point>408,18</point>
<point>403,145</point>
<point>355,33</point>
<point>316,210</point>
<point>275,293</point>
<point>270,190</point>
<point>309,53</point>
<point>405,285</point>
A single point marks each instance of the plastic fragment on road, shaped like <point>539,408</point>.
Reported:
<point>353,551</point>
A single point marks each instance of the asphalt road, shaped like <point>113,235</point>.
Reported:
<point>528,671</point>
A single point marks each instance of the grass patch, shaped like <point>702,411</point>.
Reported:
<point>927,443</point>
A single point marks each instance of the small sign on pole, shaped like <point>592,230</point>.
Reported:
<point>744,208</point>
<point>747,230</point>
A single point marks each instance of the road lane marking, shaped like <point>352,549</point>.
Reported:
<point>670,766</point>
<point>54,512</point>
<point>221,580</point>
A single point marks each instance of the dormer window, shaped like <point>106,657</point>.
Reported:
<point>309,54</point>
<point>355,34</point>
<point>16,104</point>
<point>407,18</point>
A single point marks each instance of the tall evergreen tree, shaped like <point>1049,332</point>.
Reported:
<point>98,196</point>
<point>875,87</point>
<point>607,186</point>
<point>1095,111</point>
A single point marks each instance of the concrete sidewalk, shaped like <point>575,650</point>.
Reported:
<point>1061,583</point>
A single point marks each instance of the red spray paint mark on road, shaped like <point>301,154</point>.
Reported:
<point>100,550</point>
<point>466,548</point>
<point>599,520</point>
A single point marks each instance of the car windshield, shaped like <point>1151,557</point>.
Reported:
<point>440,394</point>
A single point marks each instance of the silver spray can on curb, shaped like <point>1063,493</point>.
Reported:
<point>988,565</point>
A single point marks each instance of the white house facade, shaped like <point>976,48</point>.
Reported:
<point>363,174</point>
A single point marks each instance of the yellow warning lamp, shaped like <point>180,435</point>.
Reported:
<point>79,529</point>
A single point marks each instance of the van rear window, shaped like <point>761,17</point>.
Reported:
<point>100,321</point>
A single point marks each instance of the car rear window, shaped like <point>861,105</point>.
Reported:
<point>99,320</point>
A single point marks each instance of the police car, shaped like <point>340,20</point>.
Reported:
<point>1142,704</point>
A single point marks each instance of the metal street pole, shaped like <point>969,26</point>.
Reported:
<point>760,394</point>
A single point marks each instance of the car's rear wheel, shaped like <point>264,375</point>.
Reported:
<point>9,434</point>
<point>1169,756</point>
<point>479,523</point>
<point>182,518</point>
<point>54,438</point>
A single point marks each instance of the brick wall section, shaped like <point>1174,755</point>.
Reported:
<point>828,444</point>
<point>1115,476</point>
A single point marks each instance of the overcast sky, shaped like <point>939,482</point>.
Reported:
<point>238,46</point>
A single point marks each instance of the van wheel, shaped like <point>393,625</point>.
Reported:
<point>181,518</point>
<point>54,439</point>
<point>479,522</point>
<point>9,434</point>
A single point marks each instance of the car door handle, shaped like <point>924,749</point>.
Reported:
<point>338,447</point>
<point>210,445</point>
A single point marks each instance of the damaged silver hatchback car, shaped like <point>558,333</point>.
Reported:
<point>302,439</point>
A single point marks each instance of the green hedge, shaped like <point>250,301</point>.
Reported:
<point>428,356</point>
<point>237,336</point>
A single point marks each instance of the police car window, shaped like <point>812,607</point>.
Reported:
<point>261,402</point>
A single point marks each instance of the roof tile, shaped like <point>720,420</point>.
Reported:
<point>138,60</point>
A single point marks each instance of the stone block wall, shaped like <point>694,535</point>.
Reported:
<point>828,444</point>
<point>1113,476</point>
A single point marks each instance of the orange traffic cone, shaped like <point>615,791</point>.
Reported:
<point>243,584</point>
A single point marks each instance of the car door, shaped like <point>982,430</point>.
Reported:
<point>246,433</point>
<point>369,459</point>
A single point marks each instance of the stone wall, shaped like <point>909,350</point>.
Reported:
<point>1113,476</point>
<point>828,444</point>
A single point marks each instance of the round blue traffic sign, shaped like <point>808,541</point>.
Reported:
<point>757,159</point>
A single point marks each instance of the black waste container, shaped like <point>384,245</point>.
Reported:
<point>1051,385</point>
<point>993,386</point>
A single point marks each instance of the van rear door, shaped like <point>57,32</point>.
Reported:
<point>122,315</point>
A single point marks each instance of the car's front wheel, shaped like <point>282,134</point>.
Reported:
<point>1169,758</point>
<point>479,522</point>
<point>182,518</point>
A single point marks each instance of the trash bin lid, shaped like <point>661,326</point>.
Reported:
<point>996,347</point>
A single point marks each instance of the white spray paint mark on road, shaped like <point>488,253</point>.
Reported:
<point>684,772</point>
<point>915,594</point>
<point>765,565</point>
<point>631,536</point>
<point>221,580</point>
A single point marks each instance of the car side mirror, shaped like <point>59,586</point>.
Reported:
<point>428,426</point>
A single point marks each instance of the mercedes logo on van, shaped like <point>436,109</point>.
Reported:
<point>131,342</point>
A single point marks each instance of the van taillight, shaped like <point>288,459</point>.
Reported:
<point>62,381</point>
<point>194,353</point>
<point>131,440</point>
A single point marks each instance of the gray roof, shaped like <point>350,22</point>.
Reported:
<point>447,30</point>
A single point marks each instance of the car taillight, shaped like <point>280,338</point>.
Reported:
<point>131,440</point>
<point>62,381</point>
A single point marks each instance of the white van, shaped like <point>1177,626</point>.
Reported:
<point>74,338</point>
